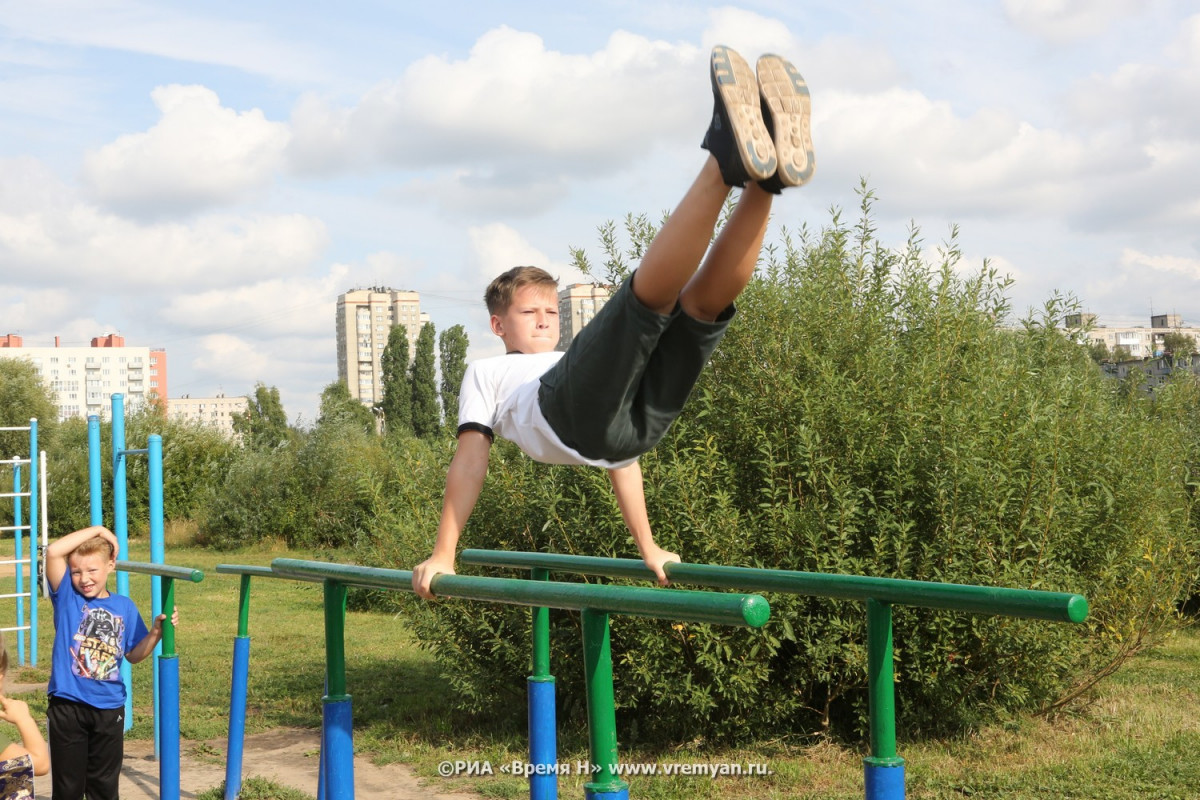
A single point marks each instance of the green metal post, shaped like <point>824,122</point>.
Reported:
<point>168,608</point>
<point>244,608</point>
<point>335,639</point>
<point>881,686</point>
<point>602,714</point>
<point>541,633</point>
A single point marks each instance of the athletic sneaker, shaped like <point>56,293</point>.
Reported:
<point>737,136</point>
<point>786,108</point>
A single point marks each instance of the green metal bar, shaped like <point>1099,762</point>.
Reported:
<point>881,685</point>
<point>1055,606</point>
<point>161,570</point>
<point>602,714</point>
<point>244,606</point>
<point>675,604</point>
<point>245,569</point>
<point>168,608</point>
<point>541,633</point>
<point>335,639</point>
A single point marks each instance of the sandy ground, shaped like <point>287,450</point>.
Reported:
<point>288,757</point>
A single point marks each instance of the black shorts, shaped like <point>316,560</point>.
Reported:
<point>626,377</point>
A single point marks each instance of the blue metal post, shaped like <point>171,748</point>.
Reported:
<point>95,478</point>
<point>121,529</point>
<point>543,745</point>
<point>168,767</point>
<point>154,463</point>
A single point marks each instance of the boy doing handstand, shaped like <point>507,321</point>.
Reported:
<point>626,376</point>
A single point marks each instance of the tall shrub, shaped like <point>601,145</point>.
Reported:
<point>872,411</point>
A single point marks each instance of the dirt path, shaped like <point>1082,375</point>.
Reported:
<point>286,756</point>
<point>289,757</point>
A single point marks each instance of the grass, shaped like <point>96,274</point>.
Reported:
<point>1134,738</point>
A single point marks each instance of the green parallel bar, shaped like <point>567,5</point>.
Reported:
<point>881,685</point>
<point>161,570</point>
<point>541,633</point>
<point>168,608</point>
<point>602,714</point>
<point>255,571</point>
<point>1032,604</point>
<point>335,639</point>
<point>675,604</point>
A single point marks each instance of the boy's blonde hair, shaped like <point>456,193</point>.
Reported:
<point>95,545</point>
<point>500,292</point>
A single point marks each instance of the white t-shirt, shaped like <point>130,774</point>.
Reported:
<point>501,395</point>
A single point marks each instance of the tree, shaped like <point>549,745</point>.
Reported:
<point>263,425</point>
<point>452,351</point>
<point>1179,344</point>
<point>338,407</point>
<point>24,396</point>
<point>1098,351</point>
<point>425,416</point>
<point>397,392</point>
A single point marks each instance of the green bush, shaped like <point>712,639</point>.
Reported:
<point>868,413</point>
<point>194,461</point>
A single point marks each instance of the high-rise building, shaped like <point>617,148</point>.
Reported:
<point>365,317</point>
<point>84,379</point>
<point>577,304</point>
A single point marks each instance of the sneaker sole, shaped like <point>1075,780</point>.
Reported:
<point>786,93</point>
<point>738,89</point>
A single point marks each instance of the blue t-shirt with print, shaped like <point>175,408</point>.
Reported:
<point>91,638</point>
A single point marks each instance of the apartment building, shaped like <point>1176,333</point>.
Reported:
<point>365,318</point>
<point>1139,341</point>
<point>213,412</point>
<point>84,379</point>
<point>577,304</point>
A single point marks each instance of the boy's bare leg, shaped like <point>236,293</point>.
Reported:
<point>675,254</point>
<point>732,258</point>
<point>741,151</point>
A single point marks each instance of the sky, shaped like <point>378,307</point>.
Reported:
<point>207,177</point>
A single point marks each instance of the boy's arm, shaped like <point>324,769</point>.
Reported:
<point>17,712</point>
<point>59,549</point>
<point>464,482</point>
<point>142,650</point>
<point>631,498</point>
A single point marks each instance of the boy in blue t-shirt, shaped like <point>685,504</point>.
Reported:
<point>93,631</point>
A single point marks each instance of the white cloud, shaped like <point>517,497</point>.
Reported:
<point>921,155</point>
<point>199,155</point>
<point>52,238</point>
<point>512,107</point>
<point>497,247</point>
<point>1066,20</point>
<point>1135,261</point>
<point>300,306</point>
<point>235,359</point>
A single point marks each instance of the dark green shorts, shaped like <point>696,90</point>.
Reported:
<point>626,377</point>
